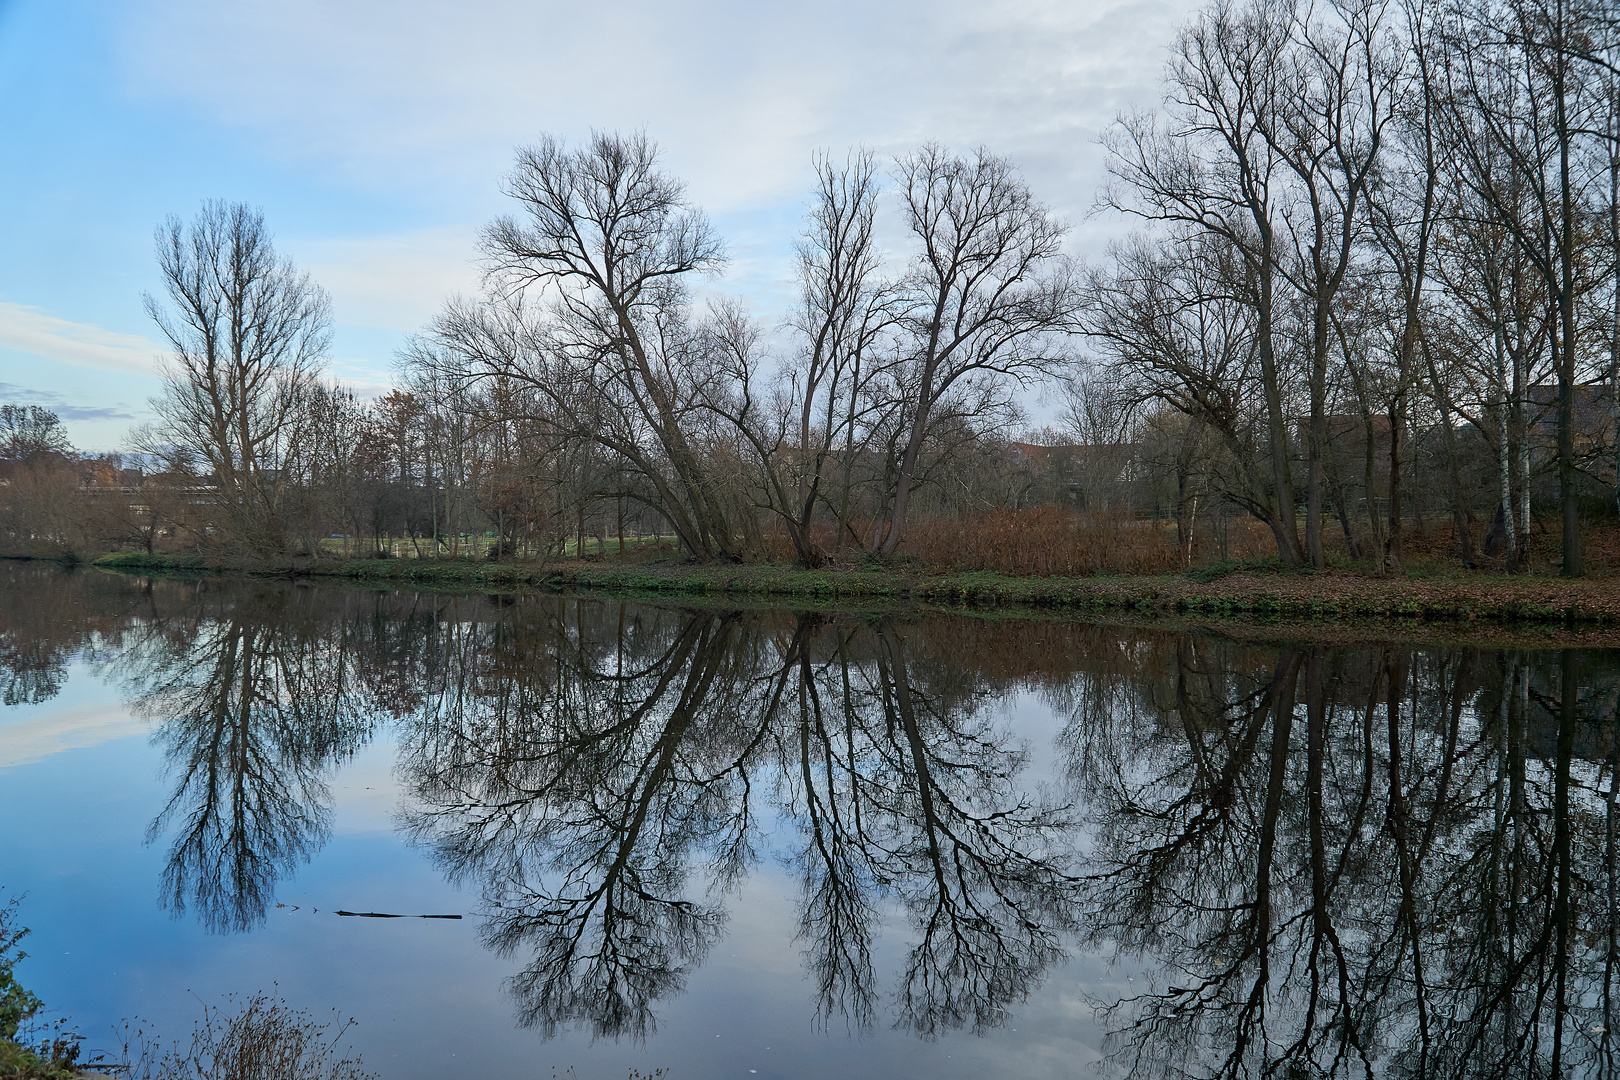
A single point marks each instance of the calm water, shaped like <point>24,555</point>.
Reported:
<point>740,844</point>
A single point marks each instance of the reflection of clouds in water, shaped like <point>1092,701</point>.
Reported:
<point>26,741</point>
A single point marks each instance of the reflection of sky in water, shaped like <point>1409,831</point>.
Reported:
<point>1242,811</point>
<point>84,782</point>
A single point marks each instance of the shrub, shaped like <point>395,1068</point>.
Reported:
<point>254,1038</point>
<point>17,1005</point>
<point>1044,541</point>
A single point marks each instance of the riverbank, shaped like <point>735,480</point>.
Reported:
<point>1235,591</point>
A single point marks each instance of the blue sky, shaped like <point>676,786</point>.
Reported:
<point>374,134</point>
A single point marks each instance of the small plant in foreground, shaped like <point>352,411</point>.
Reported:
<point>17,1005</point>
<point>58,1051</point>
<point>253,1038</point>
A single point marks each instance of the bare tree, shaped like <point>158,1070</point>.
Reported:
<point>30,432</point>
<point>1494,291</point>
<point>605,240</point>
<point>1207,163</point>
<point>844,320</point>
<point>1329,130</point>
<point>1172,323</point>
<point>989,294</point>
<point>1403,207</point>
<point>1610,75</point>
<point>828,400</point>
<point>1523,80</point>
<point>248,331</point>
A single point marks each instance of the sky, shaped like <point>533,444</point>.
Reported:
<point>374,137</point>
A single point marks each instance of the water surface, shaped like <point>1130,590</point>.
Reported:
<point>777,844</point>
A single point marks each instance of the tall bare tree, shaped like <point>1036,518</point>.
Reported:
<point>989,297</point>
<point>1493,290</point>
<point>1341,95</point>
<point>1404,207</point>
<point>588,313</point>
<point>1523,76</point>
<point>1206,162</point>
<point>828,400</point>
<point>248,331</point>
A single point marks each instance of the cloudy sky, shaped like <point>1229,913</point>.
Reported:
<point>374,136</point>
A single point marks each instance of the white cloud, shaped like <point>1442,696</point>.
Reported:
<point>419,104</point>
<point>365,379</point>
<point>30,330</point>
<point>429,96</point>
<point>392,282</point>
<point>27,741</point>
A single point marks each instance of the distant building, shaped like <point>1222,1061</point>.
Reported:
<point>1087,476</point>
<point>1594,415</point>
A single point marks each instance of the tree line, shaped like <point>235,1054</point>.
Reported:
<point>1374,276</point>
<point>1372,221</point>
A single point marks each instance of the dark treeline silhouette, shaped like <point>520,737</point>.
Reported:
<point>1329,860</point>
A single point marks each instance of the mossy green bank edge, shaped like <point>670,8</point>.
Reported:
<point>1241,592</point>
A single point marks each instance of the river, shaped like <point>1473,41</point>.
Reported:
<point>774,844</point>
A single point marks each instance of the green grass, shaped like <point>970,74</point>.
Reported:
<point>1211,571</point>
<point>1259,588</point>
<point>18,1062</point>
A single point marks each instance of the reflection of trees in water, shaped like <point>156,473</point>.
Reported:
<point>1353,861</point>
<point>47,616</point>
<point>1375,861</point>
<point>905,789</point>
<point>255,693</point>
<point>255,699</point>
<point>586,773</point>
<point>578,780</point>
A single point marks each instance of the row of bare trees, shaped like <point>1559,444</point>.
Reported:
<point>588,335</point>
<point>1367,219</point>
<point>1377,276</point>
<point>585,393</point>
<point>1380,239</point>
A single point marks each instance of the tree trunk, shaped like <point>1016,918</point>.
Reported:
<point>1317,442</point>
<point>1522,432</point>
<point>1186,516</point>
<point>1614,313</point>
<point>1459,516</point>
<point>1369,477</point>
<point>1283,525</point>
<point>1567,479</point>
<point>1504,454</point>
<point>1392,542</point>
<point>907,469</point>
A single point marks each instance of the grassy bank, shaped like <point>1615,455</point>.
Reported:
<point>1234,591</point>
